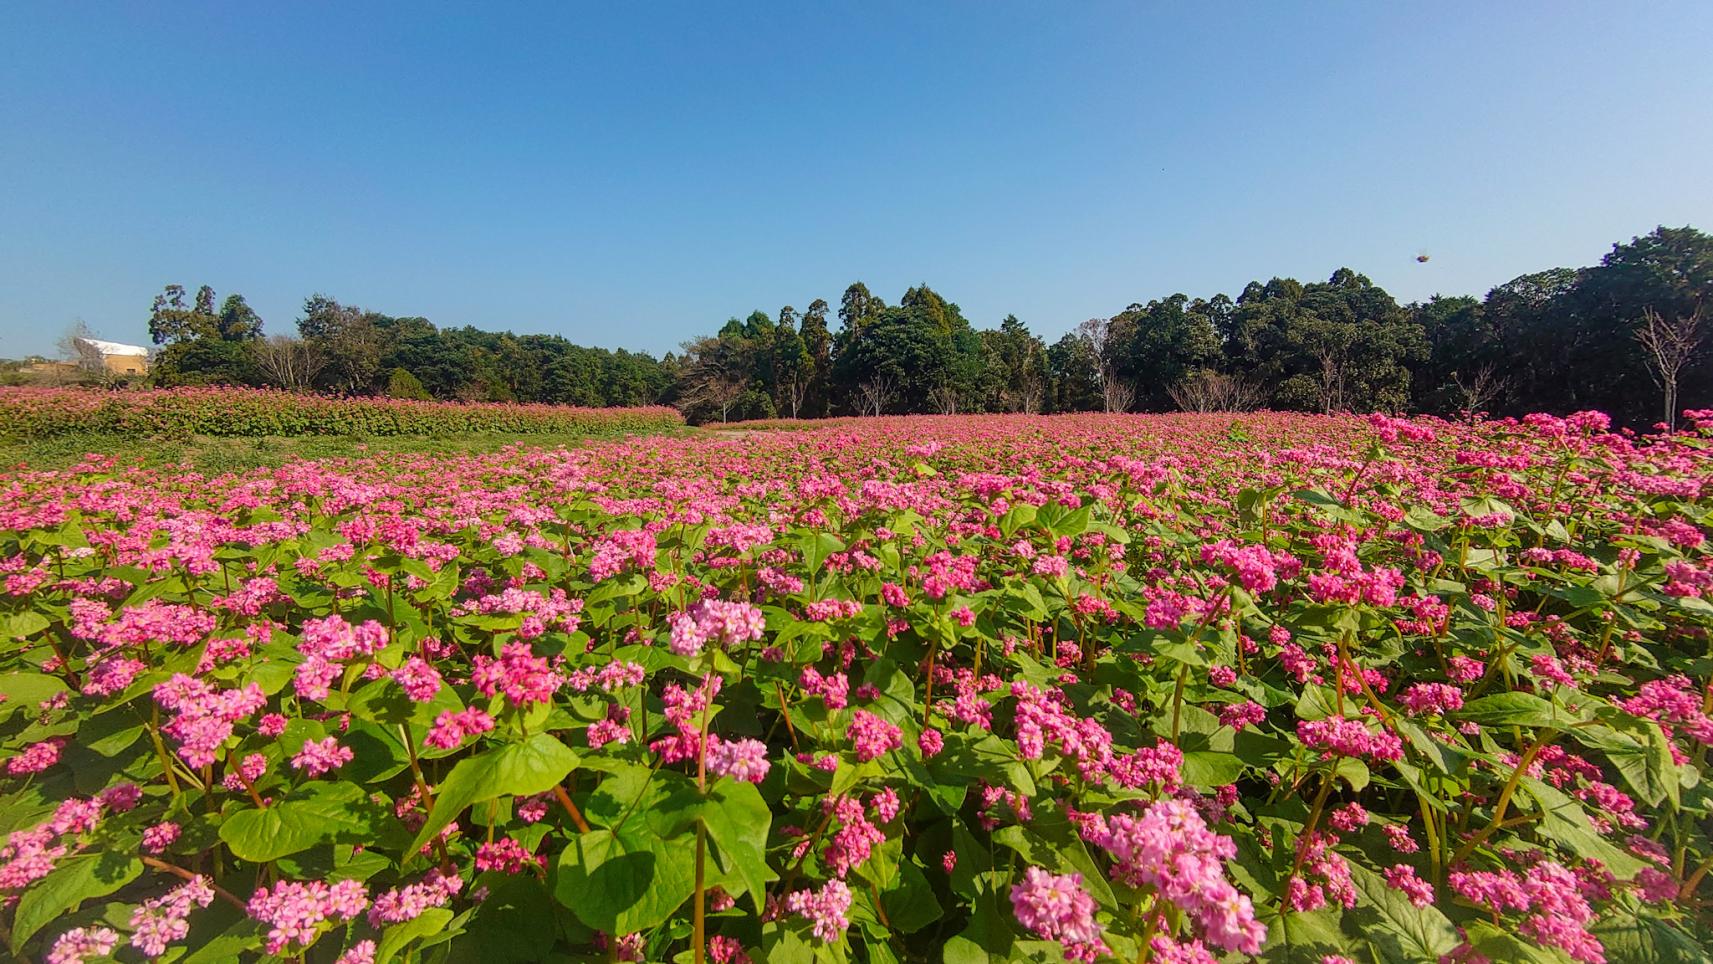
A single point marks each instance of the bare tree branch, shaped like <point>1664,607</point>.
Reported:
<point>1669,345</point>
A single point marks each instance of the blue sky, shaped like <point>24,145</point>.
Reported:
<point>630,175</point>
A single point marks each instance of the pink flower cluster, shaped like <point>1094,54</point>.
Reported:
<point>871,736</point>
<point>1422,699</point>
<point>522,676</point>
<point>634,548</point>
<point>452,727</point>
<point>161,920</point>
<point>825,908</point>
<point>714,621</point>
<point>1341,736</point>
<point>407,903</point>
<point>204,716</point>
<point>1551,896</point>
<point>739,759</point>
<point>1170,848</point>
<point>321,756</point>
<point>296,910</point>
<point>1055,907</point>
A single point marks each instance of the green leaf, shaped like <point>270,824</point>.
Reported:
<point>1403,931</point>
<point>25,691</point>
<point>317,813</point>
<point>19,625</point>
<point>1564,820</point>
<point>625,882</point>
<point>737,820</point>
<point>1016,518</point>
<point>1514,709</point>
<point>817,546</point>
<point>1501,945</point>
<point>74,881</point>
<point>510,923</point>
<point>911,905</point>
<point>1205,769</point>
<point>396,937</point>
<point>1646,940</point>
<point>534,766</point>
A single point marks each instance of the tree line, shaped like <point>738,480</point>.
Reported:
<point>1625,336</point>
<point>347,350</point>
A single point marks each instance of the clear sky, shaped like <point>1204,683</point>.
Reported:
<point>631,174</point>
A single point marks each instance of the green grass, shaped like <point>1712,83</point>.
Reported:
<point>213,456</point>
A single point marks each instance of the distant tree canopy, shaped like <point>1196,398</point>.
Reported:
<point>346,350</point>
<point>1622,336</point>
<point>1627,336</point>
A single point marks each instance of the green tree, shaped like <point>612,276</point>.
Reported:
<point>818,342</point>
<point>237,320</point>
<point>171,320</point>
<point>402,384</point>
<point>793,366</point>
<point>350,339</point>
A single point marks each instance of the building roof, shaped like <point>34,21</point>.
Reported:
<point>114,348</point>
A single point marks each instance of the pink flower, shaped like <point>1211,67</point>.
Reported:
<point>1170,848</point>
<point>321,756</point>
<point>159,837</point>
<point>83,944</point>
<point>507,856</point>
<point>1055,907</point>
<point>739,759</point>
<point>872,736</point>
<point>930,742</point>
<point>418,679</point>
<point>453,727</point>
<point>1422,699</point>
<point>825,909</point>
<point>36,757</point>
<point>1403,877</point>
<point>714,621</point>
<point>1338,736</point>
<point>522,676</point>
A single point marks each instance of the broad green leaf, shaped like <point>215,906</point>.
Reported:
<point>74,881</point>
<point>25,691</point>
<point>1514,709</point>
<point>1403,931</point>
<point>737,820</point>
<point>533,766</point>
<point>625,882</point>
<point>1206,769</point>
<point>317,813</point>
<point>394,938</point>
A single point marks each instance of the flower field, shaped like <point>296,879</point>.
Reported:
<point>37,413</point>
<point>1138,688</point>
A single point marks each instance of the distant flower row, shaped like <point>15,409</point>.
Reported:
<point>33,413</point>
